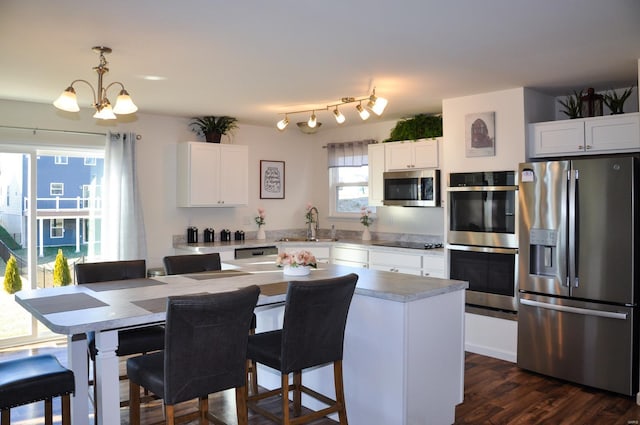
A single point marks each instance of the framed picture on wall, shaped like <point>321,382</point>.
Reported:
<point>480,134</point>
<point>271,179</point>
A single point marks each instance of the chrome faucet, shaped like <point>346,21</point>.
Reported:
<point>312,233</point>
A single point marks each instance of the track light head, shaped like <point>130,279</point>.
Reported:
<point>339,117</point>
<point>312,120</point>
<point>283,123</point>
<point>364,114</point>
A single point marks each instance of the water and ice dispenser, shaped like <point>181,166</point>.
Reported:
<point>543,252</point>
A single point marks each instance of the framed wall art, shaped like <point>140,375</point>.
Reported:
<point>271,179</point>
<point>480,134</point>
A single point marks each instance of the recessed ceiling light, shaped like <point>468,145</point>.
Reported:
<point>153,78</point>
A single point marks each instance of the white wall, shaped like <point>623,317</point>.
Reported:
<point>305,171</point>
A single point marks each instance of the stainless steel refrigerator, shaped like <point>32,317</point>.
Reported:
<point>578,286</point>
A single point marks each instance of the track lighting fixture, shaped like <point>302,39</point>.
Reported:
<point>124,105</point>
<point>374,103</point>
<point>282,124</point>
<point>364,114</point>
<point>312,120</point>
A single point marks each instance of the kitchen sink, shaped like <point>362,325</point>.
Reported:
<point>306,240</point>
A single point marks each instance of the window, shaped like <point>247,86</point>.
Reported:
<point>90,160</point>
<point>349,189</point>
<point>348,178</point>
<point>56,189</point>
<point>57,228</point>
<point>61,160</point>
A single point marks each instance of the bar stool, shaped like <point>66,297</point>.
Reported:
<point>35,378</point>
<point>197,263</point>
<point>189,367</point>
<point>312,334</point>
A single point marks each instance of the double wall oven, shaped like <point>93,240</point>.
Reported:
<point>482,238</point>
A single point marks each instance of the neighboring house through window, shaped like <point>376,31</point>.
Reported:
<point>56,189</point>
<point>57,228</point>
<point>61,160</point>
<point>90,160</point>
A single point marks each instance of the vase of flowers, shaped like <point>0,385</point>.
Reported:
<point>260,222</point>
<point>296,263</point>
<point>366,221</point>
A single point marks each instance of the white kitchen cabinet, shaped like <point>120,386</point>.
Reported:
<point>321,252</point>
<point>433,266</point>
<point>212,175</point>
<point>350,256</point>
<point>395,261</point>
<point>376,168</point>
<point>597,135</point>
<point>407,155</point>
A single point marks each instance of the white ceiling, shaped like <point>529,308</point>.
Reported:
<point>255,59</point>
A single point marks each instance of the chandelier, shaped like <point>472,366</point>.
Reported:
<point>124,105</point>
<point>374,103</point>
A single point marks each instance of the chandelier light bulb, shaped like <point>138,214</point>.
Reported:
<point>282,124</point>
<point>68,101</point>
<point>339,117</point>
<point>124,104</point>
<point>312,120</point>
<point>364,114</point>
<point>104,111</point>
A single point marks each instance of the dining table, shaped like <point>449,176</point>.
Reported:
<point>107,307</point>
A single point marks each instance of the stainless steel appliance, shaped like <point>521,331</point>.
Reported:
<point>416,188</point>
<point>410,245</point>
<point>482,237</point>
<point>255,251</point>
<point>578,284</point>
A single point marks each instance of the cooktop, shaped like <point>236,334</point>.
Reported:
<point>412,245</point>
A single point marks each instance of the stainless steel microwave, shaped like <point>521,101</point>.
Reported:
<point>415,188</point>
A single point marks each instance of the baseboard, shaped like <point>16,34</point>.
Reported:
<point>491,352</point>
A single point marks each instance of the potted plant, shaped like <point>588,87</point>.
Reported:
<point>421,126</point>
<point>573,105</point>
<point>212,128</point>
<point>616,103</point>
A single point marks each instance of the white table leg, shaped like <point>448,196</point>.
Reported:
<point>78,363</point>
<point>107,377</point>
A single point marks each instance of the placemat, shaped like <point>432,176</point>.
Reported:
<point>274,288</point>
<point>70,302</point>
<point>157,305</point>
<point>122,284</point>
<point>216,274</point>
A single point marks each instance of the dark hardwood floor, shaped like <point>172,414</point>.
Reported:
<point>496,393</point>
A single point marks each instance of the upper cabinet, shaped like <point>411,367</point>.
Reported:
<point>212,175</point>
<point>402,156</point>
<point>376,168</point>
<point>608,134</point>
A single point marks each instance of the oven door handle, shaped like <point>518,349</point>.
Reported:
<point>481,188</point>
<point>490,249</point>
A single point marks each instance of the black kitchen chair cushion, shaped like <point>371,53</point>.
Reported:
<point>30,379</point>
<point>205,348</point>
<point>192,263</point>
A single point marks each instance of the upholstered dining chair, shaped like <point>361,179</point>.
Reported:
<point>192,263</point>
<point>29,379</point>
<point>130,341</point>
<point>312,334</point>
<point>197,263</point>
<point>205,352</point>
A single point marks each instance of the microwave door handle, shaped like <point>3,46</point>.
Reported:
<point>571,219</point>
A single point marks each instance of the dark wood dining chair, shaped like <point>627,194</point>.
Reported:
<point>312,334</point>
<point>197,263</point>
<point>205,352</point>
<point>130,341</point>
<point>30,379</point>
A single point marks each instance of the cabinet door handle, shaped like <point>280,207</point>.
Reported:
<point>588,146</point>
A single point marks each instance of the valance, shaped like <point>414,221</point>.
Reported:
<point>348,154</point>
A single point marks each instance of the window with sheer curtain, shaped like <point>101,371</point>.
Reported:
<point>348,177</point>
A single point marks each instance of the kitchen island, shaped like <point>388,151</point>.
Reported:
<point>404,356</point>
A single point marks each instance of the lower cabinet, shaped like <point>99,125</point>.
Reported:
<point>433,266</point>
<point>394,261</point>
<point>352,256</point>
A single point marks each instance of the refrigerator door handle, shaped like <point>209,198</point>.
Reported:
<point>576,310</point>
<point>572,221</point>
